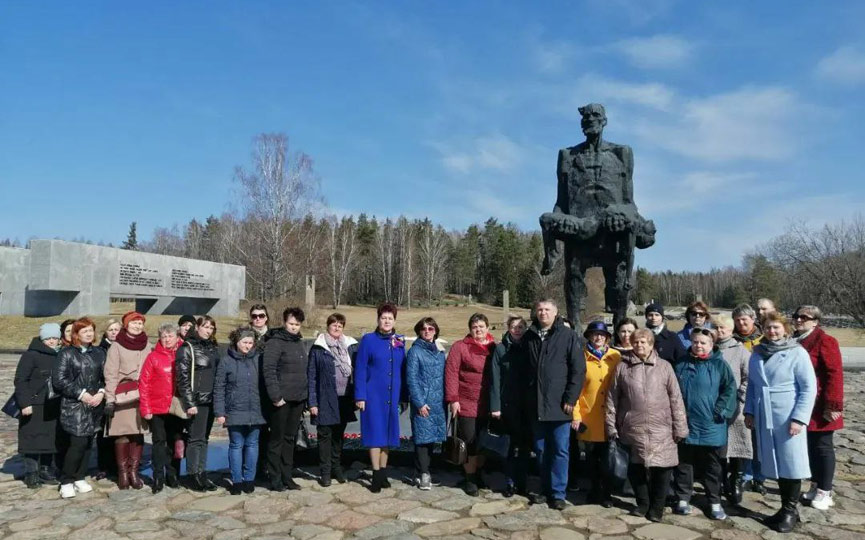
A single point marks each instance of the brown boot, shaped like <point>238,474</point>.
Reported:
<point>135,450</point>
<point>121,456</point>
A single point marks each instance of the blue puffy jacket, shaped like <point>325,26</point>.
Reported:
<point>236,393</point>
<point>709,392</point>
<point>425,377</point>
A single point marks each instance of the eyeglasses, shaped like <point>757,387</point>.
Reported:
<point>698,313</point>
<point>803,318</point>
<point>428,329</point>
<point>258,316</point>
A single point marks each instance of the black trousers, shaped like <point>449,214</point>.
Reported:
<point>199,427</point>
<point>284,422</point>
<point>105,460</point>
<point>423,457</point>
<point>596,455</point>
<point>650,486</point>
<point>821,458</point>
<point>165,430</point>
<point>705,463</point>
<point>75,458</point>
<point>330,440</point>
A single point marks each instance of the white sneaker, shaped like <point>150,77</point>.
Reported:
<point>823,500</point>
<point>67,491</point>
<point>811,493</point>
<point>425,482</point>
<point>81,486</point>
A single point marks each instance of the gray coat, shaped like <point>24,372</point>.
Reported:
<point>738,436</point>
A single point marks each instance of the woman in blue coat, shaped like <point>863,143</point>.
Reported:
<point>425,378</point>
<point>377,391</point>
<point>331,404</point>
<point>709,393</point>
<point>782,389</point>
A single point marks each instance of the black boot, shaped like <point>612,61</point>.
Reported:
<point>376,484</point>
<point>791,490</point>
<point>195,483</point>
<point>204,481</point>
<point>470,486</point>
<point>31,480</point>
<point>385,482</point>
<point>158,483</point>
<point>172,481</point>
<point>47,477</point>
<point>338,474</point>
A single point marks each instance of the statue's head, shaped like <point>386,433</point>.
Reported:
<point>594,119</point>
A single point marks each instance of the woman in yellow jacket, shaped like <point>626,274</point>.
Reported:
<point>588,417</point>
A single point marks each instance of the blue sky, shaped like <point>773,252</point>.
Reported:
<point>742,115</point>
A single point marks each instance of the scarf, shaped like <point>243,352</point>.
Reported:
<point>727,343</point>
<point>341,358</point>
<point>767,348</point>
<point>801,337</point>
<point>133,343</point>
<point>750,337</point>
<point>598,353</point>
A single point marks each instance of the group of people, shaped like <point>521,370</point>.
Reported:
<point>725,399</point>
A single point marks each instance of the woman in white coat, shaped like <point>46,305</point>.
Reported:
<point>782,389</point>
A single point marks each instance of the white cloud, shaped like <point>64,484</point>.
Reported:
<point>756,123</point>
<point>489,152</point>
<point>551,57</point>
<point>656,52</point>
<point>845,65</point>
<point>603,90</point>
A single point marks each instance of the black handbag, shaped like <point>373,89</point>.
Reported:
<point>618,458</point>
<point>494,441</point>
<point>454,449</point>
<point>11,407</point>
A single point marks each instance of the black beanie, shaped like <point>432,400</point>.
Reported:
<point>186,319</point>
<point>654,307</point>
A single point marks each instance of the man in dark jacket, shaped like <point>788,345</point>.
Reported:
<point>557,371</point>
<point>667,344</point>
<point>284,368</point>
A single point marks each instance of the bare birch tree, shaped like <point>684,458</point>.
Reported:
<point>277,189</point>
<point>341,237</point>
<point>432,251</point>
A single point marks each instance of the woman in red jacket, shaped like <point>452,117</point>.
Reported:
<point>467,389</point>
<point>156,388</point>
<point>827,414</point>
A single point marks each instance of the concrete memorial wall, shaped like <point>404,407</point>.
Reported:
<point>67,278</point>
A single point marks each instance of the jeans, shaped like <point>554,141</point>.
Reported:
<point>706,462</point>
<point>284,423</point>
<point>422,458</point>
<point>243,452</point>
<point>199,433</point>
<point>76,458</point>
<point>821,457</point>
<point>552,449</point>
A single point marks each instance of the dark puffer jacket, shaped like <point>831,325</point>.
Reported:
<point>284,366</point>
<point>235,392</point>
<point>557,371</point>
<point>206,358</point>
<point>78,371</point>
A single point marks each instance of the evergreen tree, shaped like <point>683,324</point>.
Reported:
<point>131,242</point>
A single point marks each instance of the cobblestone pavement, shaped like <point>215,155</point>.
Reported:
<point>351,511</point>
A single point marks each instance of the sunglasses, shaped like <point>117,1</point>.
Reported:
<point>428,329</point>
<point>704,331</point>
<point>258,316</point>
<point>803,318</point>
<point>698,313</point>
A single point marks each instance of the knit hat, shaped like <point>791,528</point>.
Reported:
<point>49,330</point>
<point>654,308</point>
<point>186,319</point>
<point>597,326</point>
<point>132,316</point>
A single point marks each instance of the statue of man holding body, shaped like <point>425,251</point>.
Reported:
<point>595,217</point>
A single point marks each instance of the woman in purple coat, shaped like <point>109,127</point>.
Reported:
<point>378,389</point>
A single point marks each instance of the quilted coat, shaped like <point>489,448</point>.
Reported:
<point>79,370</point>
<point>424,376</point>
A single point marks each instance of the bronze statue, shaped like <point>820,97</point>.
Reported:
<point>595,217</point>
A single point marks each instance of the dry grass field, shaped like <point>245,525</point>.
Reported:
<point>16,331</point>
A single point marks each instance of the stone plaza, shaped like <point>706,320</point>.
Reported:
<point>54,277</point>
<point>351,511</point>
